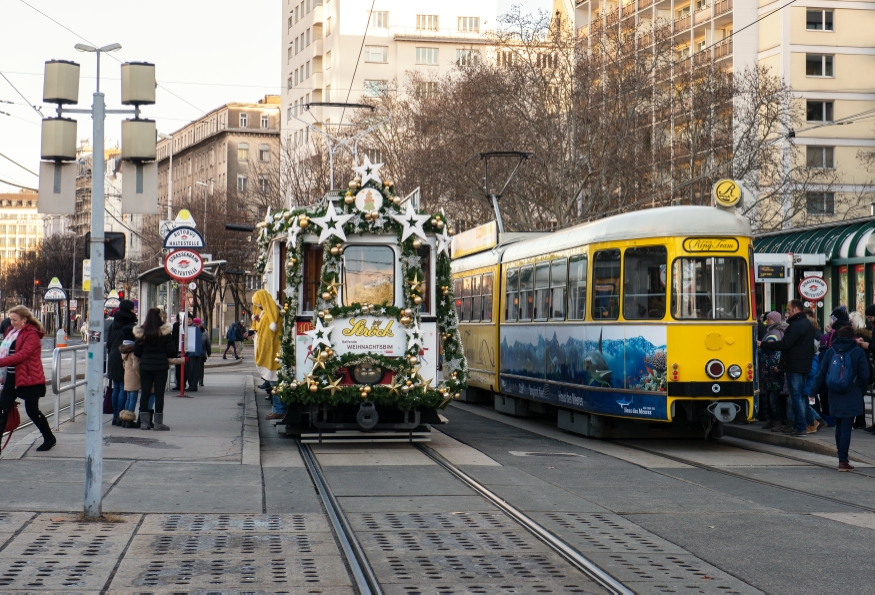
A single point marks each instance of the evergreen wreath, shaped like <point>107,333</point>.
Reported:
<point>408,388</point>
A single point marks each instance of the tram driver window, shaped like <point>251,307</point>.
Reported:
<point>527,294</point>
<point>312,275</point>
<point>577,287</point>
<point>710,288</point>
<point>606,285</point>
<point>558,275</point>
<point>457,297</point>
<point>466,299</point>
<point>644,283</point>
<point>424,254</point>
<point>512,296</point>
<point>542,291</point>
<point>486,289</point>
<point>368,275</point>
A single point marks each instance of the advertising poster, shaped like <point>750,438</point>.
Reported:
<point>843,286</point>
<point>860,288</point>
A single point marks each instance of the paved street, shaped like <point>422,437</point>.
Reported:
<point>222,503</point>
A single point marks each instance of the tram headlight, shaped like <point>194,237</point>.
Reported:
<point>734,371</point>
<point>367,374</point>
<point>715,368</point>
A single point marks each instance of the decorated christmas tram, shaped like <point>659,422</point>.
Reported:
<point>369,337</point>
<point>642,320</point>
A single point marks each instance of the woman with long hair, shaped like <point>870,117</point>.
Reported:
<point>154,347</point>
<point>21,371</point>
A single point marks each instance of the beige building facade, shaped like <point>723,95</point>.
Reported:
<point>21,227</point>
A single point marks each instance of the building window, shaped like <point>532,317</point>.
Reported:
<point>426,22</point>
<point>265,121</point>
<point>327,60</point>
<point>376,53</point>
<point>327,26</point>
<point>818,20</point>
<point>327,92</point>
<point>818,65</point>
<point>820,203</point>
<point>469,24</point>
<point>467,57</point>
<point>374,88</point>
<point>290,83</point>
<point>243,152</point>
<point>380,19</point>
<point>289,55</point>
<point>426,89</point>
<point>375,155</point>
<point>818,111</point>
<point>242,183</point>
<point>264,153</point>
<point>244,120</point>
<point>263,183</point>
<point>426,55</point>
<point>819,157</point>
<point>291,22</point>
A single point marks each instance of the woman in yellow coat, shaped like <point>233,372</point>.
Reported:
<point>267,326</point>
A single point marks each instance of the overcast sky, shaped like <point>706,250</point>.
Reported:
<point>206,53</point>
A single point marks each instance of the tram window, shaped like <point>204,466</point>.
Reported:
<point>457,296</point>
<point>513,298</point>
<point>558,275</point>
<point>424,253</point>
<point>312,275</point>
<point>577,287</point>
<point>486,290</point>
<point>466,299</point>
<point>542,291</point>
<point>527,283</point>
<point>476,303</point>
<point>368,275</point>
<point>644,283</point>
<point>709,288</point>
<point>606,285</point>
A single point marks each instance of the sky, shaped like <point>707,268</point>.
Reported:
<point>206,53</point>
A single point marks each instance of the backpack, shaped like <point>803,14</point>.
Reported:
<point>231,335</point>
<point>840,374</point>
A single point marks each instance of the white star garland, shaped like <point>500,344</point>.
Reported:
<point>331,224</point>
<point>294,230</point>
<point>453,365</point>
<point>367,171</point>
<point>319,335</point>
<point>443,242</point>
<point>414,337</point>
<point>412,223</point>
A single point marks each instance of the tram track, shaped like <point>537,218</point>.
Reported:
<point>51,414</point>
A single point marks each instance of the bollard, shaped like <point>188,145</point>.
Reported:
<point>61,338</point>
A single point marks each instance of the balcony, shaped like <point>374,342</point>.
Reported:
<point>703,15</point>
<point>642,4</point>
<point>629,10</point>
<point>415,34</point>
<point>682,24</point>
<point>723,49</point>
<point>722,7</point>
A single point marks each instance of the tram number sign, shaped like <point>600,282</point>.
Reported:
<point>813,289</point>
<point>771,271</point>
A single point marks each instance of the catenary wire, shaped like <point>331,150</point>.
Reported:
<point>35,108</point>
<point>30,171</point>
<point>359,59</point>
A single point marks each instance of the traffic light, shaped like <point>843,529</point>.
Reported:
<point>121,294</point>
<point>36,282</point>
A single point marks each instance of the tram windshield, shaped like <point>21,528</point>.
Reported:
<point>368,275</point>
<point>710,288</point>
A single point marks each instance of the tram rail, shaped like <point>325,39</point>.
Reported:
<point>25,424</point>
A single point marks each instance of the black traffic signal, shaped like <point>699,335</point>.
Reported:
<point>115,245</point>
<point>121,294</point>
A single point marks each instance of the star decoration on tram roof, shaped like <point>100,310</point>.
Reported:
<point>412,222</point>
<point>294,230</point>
<point>331,223</point>
<point>443,242</point>
<point>367,171</point>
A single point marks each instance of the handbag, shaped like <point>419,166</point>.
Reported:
<point>107,401</point>
<point>13,420</point>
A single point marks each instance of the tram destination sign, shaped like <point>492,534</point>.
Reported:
<point>711,245</point>
<point>771,271</point>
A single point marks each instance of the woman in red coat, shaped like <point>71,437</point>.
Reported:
<point>21,371</point>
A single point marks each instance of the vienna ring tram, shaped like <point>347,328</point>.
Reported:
<point>639,322</point>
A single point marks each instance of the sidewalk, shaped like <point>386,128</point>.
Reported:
<point>823,442</point>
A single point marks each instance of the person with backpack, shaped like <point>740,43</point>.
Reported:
<point>797,348</point>
<point>231,337</point>
<point>845,373</point>
<point>771,378</point>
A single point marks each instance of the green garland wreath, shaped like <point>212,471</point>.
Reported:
<point>408,388</point>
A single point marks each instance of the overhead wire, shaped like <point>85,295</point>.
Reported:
<point>35,108</point>
<point>359,59</point>
<point>2,181</point>
<point>30,171</point>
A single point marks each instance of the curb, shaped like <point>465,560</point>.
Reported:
<point>786,441</point>
<point>222,364</point>
<point>251,437</point>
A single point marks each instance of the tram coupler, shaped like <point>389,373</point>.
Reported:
<point>724,411</point>
<point>367,416</point>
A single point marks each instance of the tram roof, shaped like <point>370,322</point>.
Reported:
<point>648,223</point>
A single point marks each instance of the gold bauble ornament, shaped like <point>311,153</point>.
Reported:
<point>328,318</point>
<point>445,291</point>
<point>405,389</point>
<point>413,360</point>
<point>405,320</point>
<point>367,389</point>
<point>440,223</point>
<point>365,309</point>
<point>335,251</point>
<point>433,221</point>
<point>326,295</point>
<point>409,383</point>
<point>330,352</point>
<point>363,395</point>
<point>323,356</point>
<point>293,386</point>
<point>417,300</point>
<point>314,387</point>
<point>375,215</point>
<point>357,180</point>
<point>450,230</point>
<point>352,185</point>
<point>396,200</point>
<point>408,312</point>
<point>293,261</point>
<point>417,244</point>
<point>349,199</point>
<point>457,395</point>
<point>321,314</point>
<point>303,221</point>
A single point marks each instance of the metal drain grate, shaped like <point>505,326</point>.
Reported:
<point>237,545</point>
<point>390,521</point>
<point>607,533</point>
<point>60,537</point>
<point>234,523</point>
<point>38,574</point>
<point>462,542</point>
<point>671,574</point>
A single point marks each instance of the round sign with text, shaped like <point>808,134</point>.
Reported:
<point>183,265</point>
<point>813,288</point>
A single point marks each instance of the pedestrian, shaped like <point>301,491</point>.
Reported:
<point>797,348</point>
<point>206,351</point>
<point>771,378</point>
<point>115,369</point>
<point>862,335</point>
<point>132,377</point>
<point>231,338</point>
<point>5,326</point>
<point>154,347</point>
<point>762,328</point>
<point>193,356</point>
<point>846,373</point>
<point>869,346</point>
<point>177,370</point>
<point>21,371</point>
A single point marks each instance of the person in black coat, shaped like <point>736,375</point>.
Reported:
<point>154,347</point>
<point>797,351</point>
<point>115,368</point>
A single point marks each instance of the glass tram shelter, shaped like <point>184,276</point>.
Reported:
<point>839,253</point>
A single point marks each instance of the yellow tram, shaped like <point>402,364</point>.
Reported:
<point>642,317</point>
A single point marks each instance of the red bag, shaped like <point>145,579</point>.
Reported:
<point>107,401</point>
<point>13,420</point>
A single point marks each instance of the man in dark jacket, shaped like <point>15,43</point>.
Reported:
<point>115,367</point>
<point>797,351</point>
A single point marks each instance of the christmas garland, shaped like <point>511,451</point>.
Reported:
<point>321,384</point>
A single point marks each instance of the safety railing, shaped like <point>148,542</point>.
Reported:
<point>75,382</point>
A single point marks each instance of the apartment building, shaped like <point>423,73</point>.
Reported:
<point>21,227</point>
<point>341,50</point>
<point>216,153</point>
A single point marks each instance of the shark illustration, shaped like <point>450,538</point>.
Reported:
<point>597,366</point>
<point>625,401</point>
